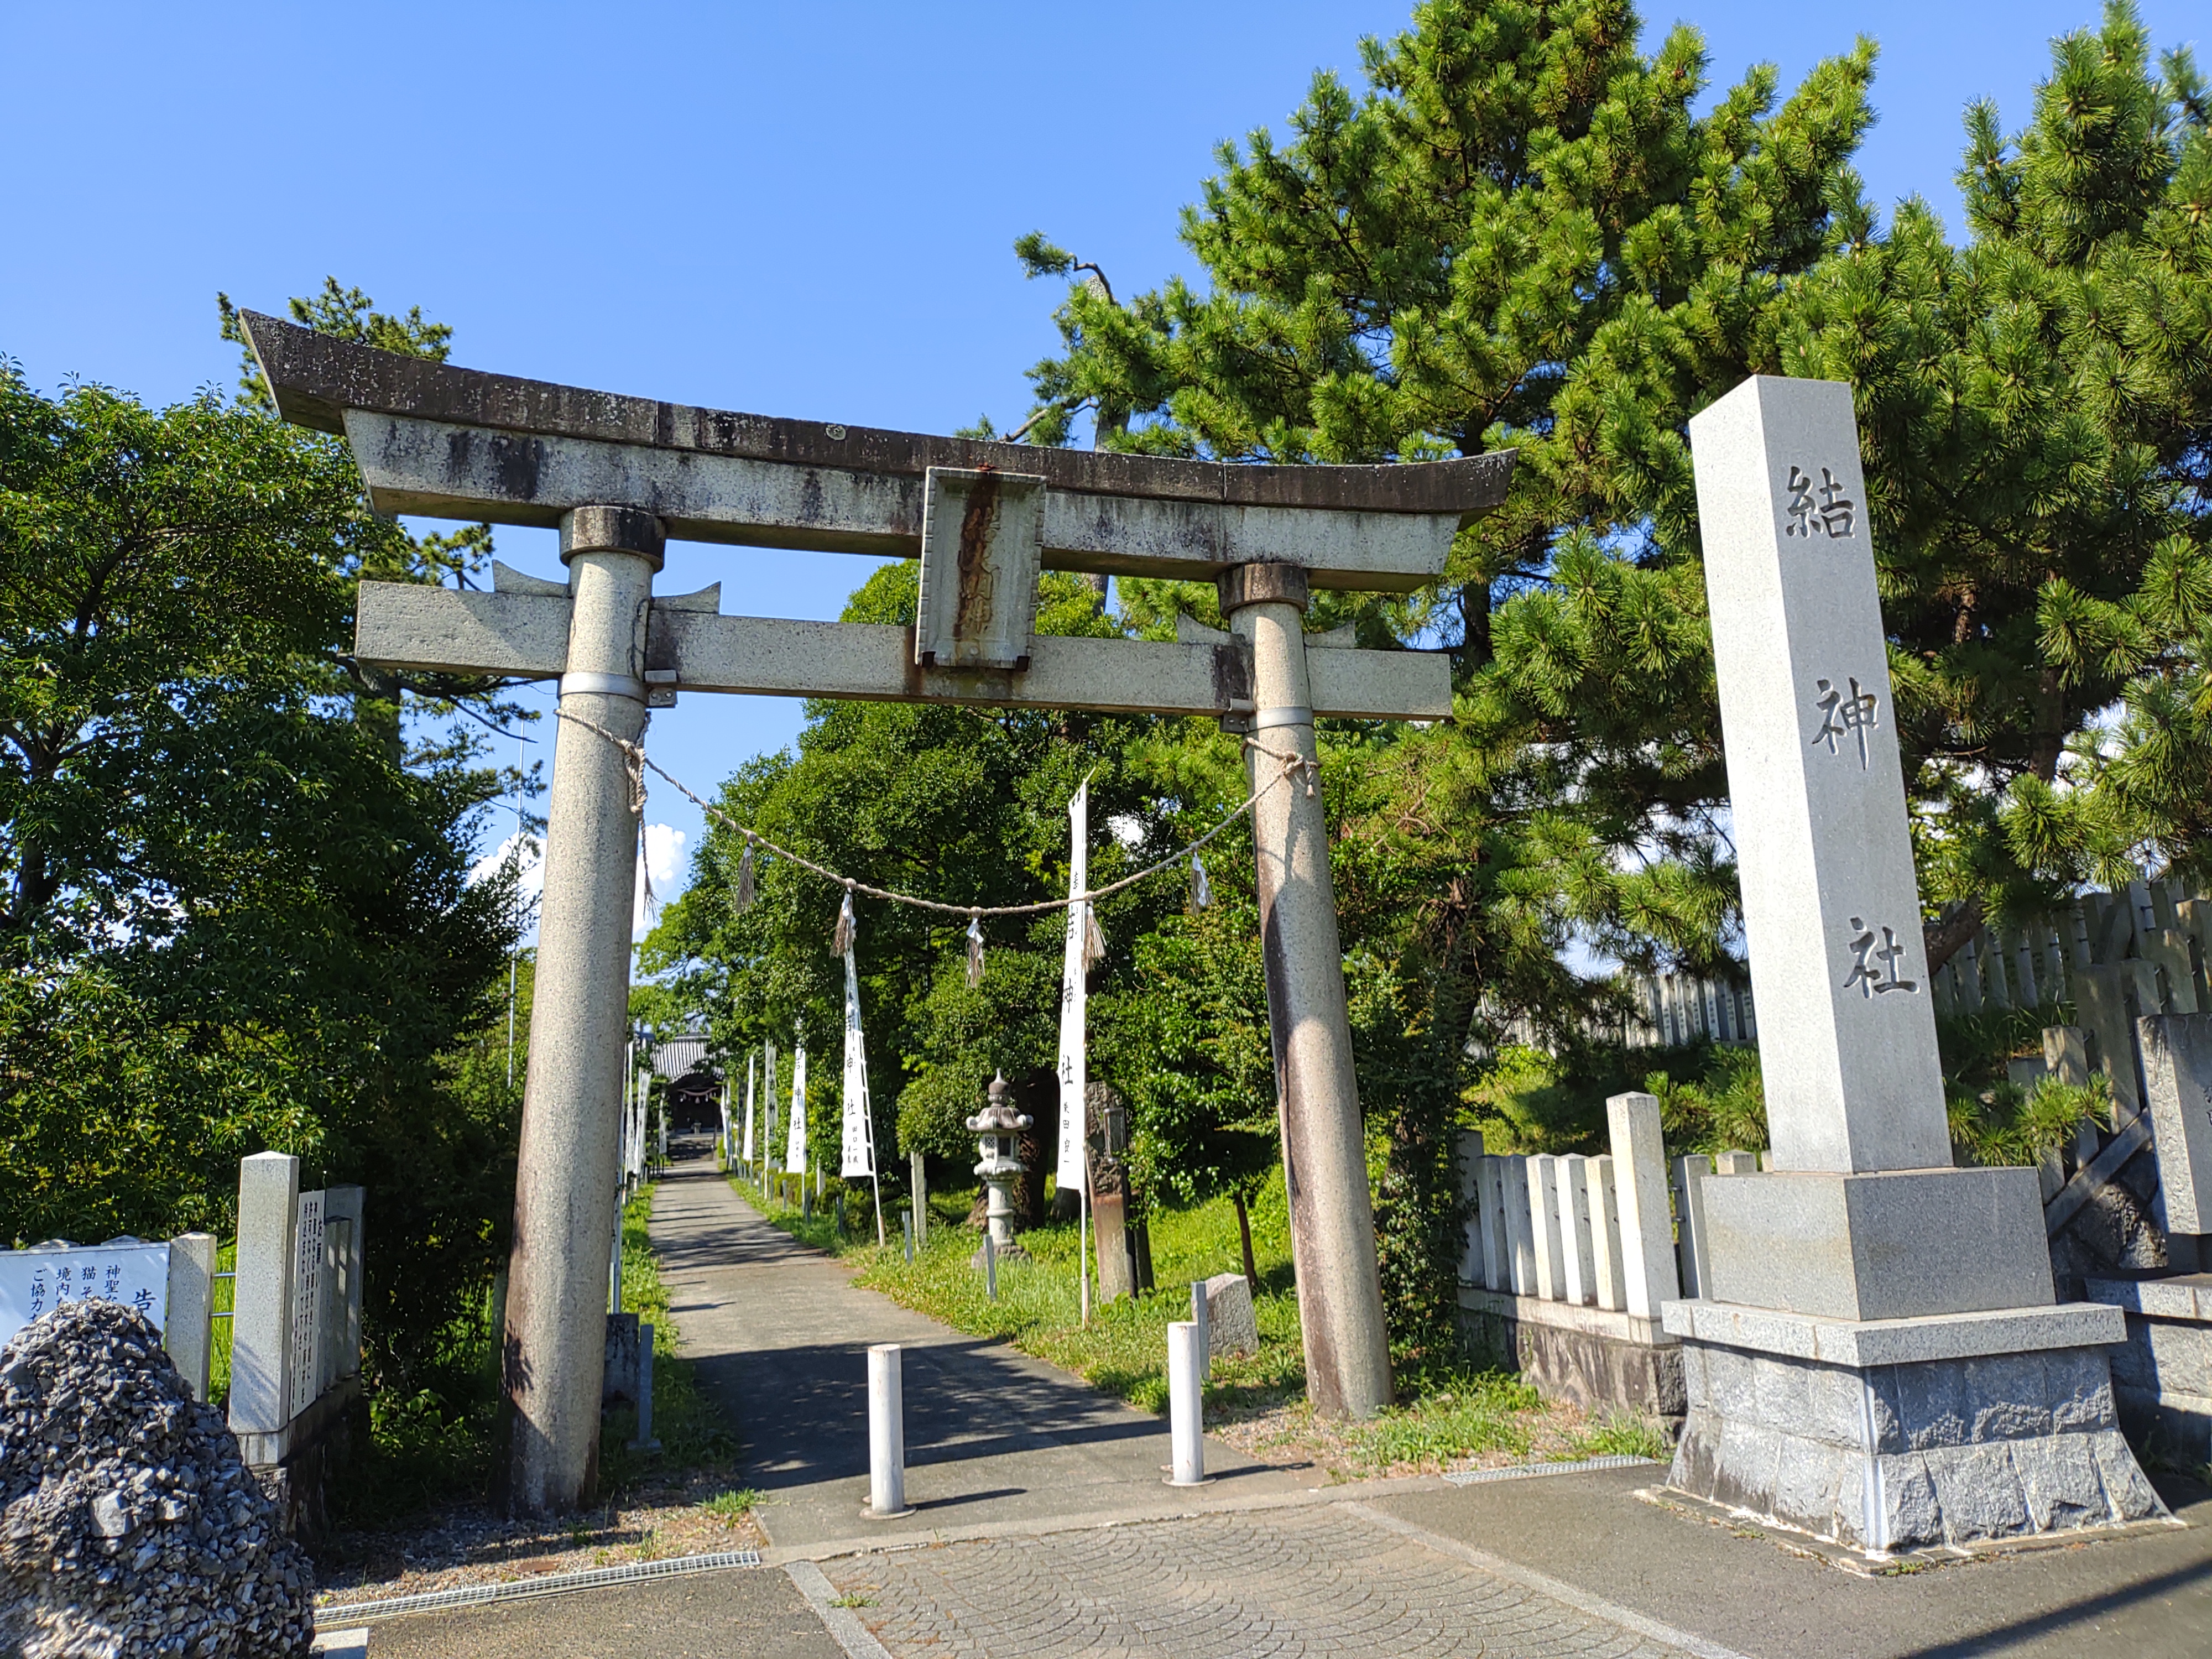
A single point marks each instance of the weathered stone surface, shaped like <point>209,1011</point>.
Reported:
<point>1830,908</point>
<point>130,1526</point>
<point>2176,1062</point>
<point>1232,1325</point>
<point>316,378</point>
<point>2162,1374</point>
<point>1582,1368</point>
<point>1904,1244</point>
<point>1895,1341</point>
<point>1901,1456</point>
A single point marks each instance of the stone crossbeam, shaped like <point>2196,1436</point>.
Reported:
<point>526,636</point>
<point>447,442</point>
<point>619,476</point>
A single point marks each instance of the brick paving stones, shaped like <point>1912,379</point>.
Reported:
<point>1277,1584</point>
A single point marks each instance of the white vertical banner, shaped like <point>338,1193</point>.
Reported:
<point>769,1116</point>
<point>748,1153</point>
<point>859,1152</point>
<point>795,1146</point>
<point>1073,1059</point>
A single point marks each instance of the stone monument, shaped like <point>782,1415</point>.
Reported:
<point>1874,1354</point>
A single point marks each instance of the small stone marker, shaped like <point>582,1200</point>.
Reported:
<point>1581,1279</point>
<point>1231,1327</point>
<point>1607,1262</point>
<point>2176,1056</point>
<point>1521,1225</point>
<point>1649,1276</point>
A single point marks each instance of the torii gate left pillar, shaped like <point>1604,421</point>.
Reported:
<point>564,1207</point>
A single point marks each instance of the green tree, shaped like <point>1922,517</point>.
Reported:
<point>967,807</point>
<point>237,915</point>
<point>1520,233</point>
<point>2036,407</point>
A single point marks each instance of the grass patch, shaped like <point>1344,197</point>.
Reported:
<point>1123,1351</point>
<point>1447,1413</point>
<point>734,1506</point>
<point>691,1433</point>
<point>1454,1417</point>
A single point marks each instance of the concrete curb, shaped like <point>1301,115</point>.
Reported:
<point>843,1624</point>
<point>1168,1509</point>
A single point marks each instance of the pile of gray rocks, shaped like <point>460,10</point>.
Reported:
<point>128,1524</point>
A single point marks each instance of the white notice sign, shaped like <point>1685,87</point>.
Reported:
<point>308,1305</point>
<point>36,1282</point>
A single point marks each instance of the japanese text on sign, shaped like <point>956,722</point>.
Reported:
<point>1833,513</point>
<point>1877,952</point>
<point>1845,716</point>
<point>33,1283</point>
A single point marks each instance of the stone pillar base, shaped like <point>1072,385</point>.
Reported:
<point>1899,1434</point>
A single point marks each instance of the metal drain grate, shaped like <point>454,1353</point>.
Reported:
<point>470,1595</point>
<point>1529,1471</point>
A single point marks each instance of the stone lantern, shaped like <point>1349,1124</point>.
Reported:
<point>997,1129</point>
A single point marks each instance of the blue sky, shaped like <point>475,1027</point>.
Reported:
<point>801,210</point>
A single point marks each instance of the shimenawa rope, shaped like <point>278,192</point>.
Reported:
<point>638,762</point>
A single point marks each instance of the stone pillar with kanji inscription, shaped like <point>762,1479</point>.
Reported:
<point>1875,1354</point>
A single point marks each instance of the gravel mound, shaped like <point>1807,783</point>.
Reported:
<point>128,1524</point>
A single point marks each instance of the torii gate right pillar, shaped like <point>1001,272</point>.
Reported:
<point>1317,1094</point>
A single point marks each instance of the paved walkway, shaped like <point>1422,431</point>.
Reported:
<point>780,1336</point>
<point>1044,1530</point>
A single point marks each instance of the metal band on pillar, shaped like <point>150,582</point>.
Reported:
<point>1324,1152</point>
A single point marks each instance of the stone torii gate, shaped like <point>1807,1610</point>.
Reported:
<point>619,475</point>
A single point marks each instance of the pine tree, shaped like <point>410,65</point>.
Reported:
<point>1518,234</point>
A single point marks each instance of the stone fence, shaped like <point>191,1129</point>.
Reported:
<point>1567,1260</point>
<point>295,1319</point>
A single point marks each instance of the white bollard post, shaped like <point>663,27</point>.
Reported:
<point>1186,1404</point>
<point>886,1434</point>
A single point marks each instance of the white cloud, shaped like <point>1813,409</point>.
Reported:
<point>533,865</point>
<point>664,858</point>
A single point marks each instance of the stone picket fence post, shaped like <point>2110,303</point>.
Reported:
<point>295,1329</point>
